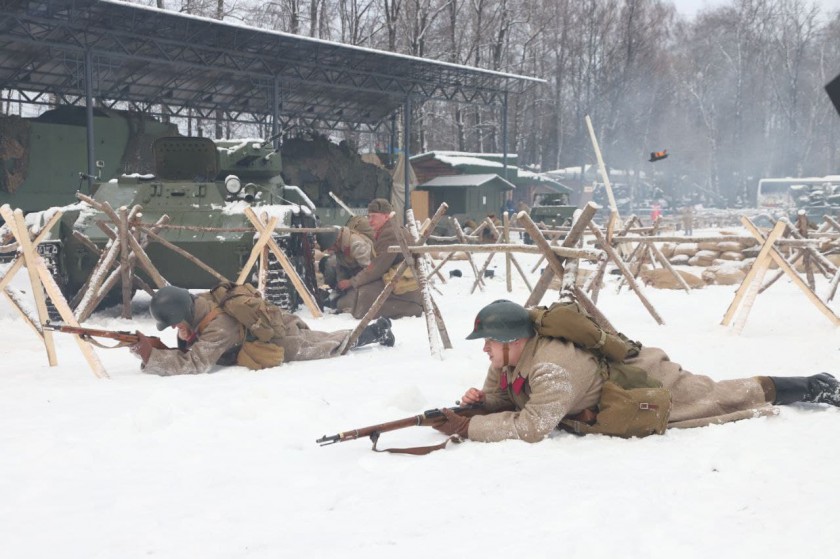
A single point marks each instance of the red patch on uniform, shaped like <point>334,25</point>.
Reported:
<point>518,384</point>
<point>503,381</point>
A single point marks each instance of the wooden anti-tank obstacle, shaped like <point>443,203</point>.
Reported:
<point>41,281</point>
<point>749,288</point>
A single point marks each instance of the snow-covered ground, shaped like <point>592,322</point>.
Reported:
<point>225,465</point>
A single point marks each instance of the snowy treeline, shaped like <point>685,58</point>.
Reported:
<point>735,94</point>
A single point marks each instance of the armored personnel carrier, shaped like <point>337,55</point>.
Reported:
<point>40,157</point>
<point>204,187</point>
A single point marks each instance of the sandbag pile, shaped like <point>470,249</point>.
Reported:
<point>706,253</point>
<point>726,262</point>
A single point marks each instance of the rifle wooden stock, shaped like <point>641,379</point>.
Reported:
<point>427,418</point>
<point>124,337</point>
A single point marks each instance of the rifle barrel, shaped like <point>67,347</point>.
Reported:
<point>373,430</point>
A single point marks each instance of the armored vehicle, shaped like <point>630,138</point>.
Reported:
<point>40,158</point>
<point>552,209</point>
<point>204,187</point>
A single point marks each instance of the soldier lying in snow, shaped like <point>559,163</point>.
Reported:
<point>233,325</point>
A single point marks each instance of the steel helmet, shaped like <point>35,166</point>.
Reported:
<point>502,321</point>
<point>170,306</point>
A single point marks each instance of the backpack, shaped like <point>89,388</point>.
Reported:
<point>631,403</point>
<point>260,320</point>
<point>360,224</point>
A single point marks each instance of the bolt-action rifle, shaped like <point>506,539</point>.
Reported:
<point>124,338</point>
<point>427,418</point>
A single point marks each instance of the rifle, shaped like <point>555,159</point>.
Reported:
<point>124,338</point>
<point>427,418</point>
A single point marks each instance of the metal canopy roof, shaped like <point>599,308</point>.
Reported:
<point>147,57</point>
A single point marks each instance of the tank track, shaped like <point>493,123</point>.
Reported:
<point>279,289</point>
<point>53,264</point>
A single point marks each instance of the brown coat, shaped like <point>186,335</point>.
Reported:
<point>368,283</point>
<point>559,379</point>
<point>219,342</point>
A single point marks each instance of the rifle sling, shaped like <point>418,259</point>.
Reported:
<point>417,450</point>
<point>91,340</point>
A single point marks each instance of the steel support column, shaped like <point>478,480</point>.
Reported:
<point>91,153</point>
<point>504,133</point>
<point>392,148</point>
<point>275,112</point>
<point>407,152</point>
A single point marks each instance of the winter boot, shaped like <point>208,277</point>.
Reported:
<point>818,389</point>
<point>378,331</point>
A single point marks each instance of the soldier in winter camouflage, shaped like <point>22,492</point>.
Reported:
<point>535,382</point>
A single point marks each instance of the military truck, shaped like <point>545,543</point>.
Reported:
<point>551,209</point>
<point>41,157</point>
<point>202,186</point>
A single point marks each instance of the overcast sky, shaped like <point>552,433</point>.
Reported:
<point>691,7</point>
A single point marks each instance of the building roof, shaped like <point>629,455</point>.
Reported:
<point>465,181</point>
<point>145,58</point>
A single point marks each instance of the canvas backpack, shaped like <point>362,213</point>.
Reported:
<point>360,224</point>
<point>260,320</point>
<point>631,403</point>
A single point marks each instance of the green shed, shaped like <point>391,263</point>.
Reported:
<point>468,196</point>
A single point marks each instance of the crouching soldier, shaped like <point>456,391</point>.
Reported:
<point>233,325</point>
<point>349,250</point>
<point>537,383</point>
<point>365,286</point>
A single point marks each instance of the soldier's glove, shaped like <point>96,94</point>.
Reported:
<point>143,347</point>
<point>454,424</point>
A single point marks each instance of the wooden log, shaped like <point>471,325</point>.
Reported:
<point>593,284</point>
<point>797,280</point>
<point>578,228</point>
<point>755,270</point>
<point>625,272</point>
<point>506,240</point>
<point>21,233</point>
<point>583,253</point>
<point>374,308</point>
<point>515,262</point>
<point>178,250</point>
<point>602,169</point>
<point>428,309</point>
<point>125,268</point>
<point>292,274</point>
<point>256,250</point>
<point>461,238</point>
<point>145,262</point>
<point>552,240</point>
<point>479,276</point>
<point>89,296</point>
<point>667,265</point>
<point>14,296</point>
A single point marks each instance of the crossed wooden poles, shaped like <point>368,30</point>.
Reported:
<point>434,320</point>
<point>124,251</point>
<point>750,286</point>
<point>41,281</point>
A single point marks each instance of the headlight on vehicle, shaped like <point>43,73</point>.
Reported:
<point>233,185</point>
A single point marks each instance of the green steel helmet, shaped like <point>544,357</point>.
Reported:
<point>170,306</point>
<point>327,238</point>
<point>502,321</point>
